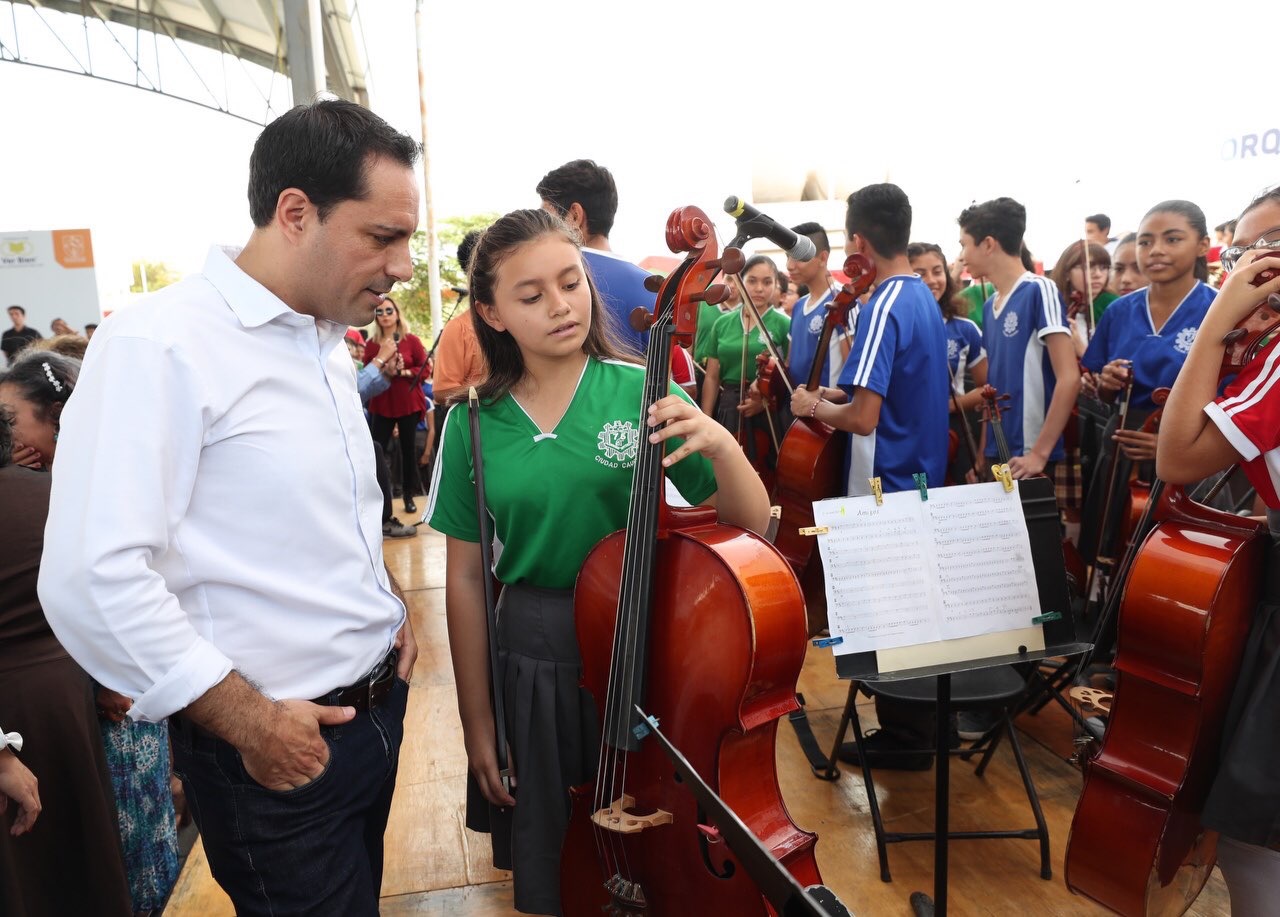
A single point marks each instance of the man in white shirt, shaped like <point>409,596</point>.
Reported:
<point>214,544</point>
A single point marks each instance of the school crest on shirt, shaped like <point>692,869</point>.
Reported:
<point>1186,337</point>
<point>953,349</point>
<point>1011,324</point>
<point>619,441</point>
<point>815,322</point>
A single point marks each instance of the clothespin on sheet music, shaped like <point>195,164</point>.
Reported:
<point>876,490</point>
<point>922,482</point>
<point>1002,474</point>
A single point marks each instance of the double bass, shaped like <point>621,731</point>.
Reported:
<point>1188,600</point>
<point>811,459</point>
<point>702,624</point>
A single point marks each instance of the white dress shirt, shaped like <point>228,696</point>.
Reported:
<point>214,502</point>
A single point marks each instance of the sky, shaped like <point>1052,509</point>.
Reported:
<point>1071,108</point>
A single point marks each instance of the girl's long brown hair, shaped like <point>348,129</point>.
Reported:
<point>501,352</point>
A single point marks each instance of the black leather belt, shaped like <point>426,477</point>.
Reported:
<point>366,692</point>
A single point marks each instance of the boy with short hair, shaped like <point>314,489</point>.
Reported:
<point>1024,330</point>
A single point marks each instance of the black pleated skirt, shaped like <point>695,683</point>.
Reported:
<point>554,737</point>
<point>1244,802</point>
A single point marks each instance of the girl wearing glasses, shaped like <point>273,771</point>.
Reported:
<point>1205,433</point>
<point>401,406</point>
<point>560,432</point>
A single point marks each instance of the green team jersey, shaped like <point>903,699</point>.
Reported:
<point>708,315</point>
<point>552,496</point>
<point>974,296</point>
<point>1100,303</point>
<point>726,342</point>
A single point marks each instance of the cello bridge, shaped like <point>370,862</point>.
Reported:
<point>617,819</point>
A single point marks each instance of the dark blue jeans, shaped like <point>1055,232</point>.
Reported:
<point>316,849</point>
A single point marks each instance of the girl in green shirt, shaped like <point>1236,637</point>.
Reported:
<point>560,428</point>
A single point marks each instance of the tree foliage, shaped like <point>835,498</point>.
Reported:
<point>158,275</point>
<point>414,297</point>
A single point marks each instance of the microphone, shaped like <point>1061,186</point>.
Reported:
<point>800,248</point>
<point>461,291</point>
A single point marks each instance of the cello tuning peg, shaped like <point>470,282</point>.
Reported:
<point>653,283</point>
<point>714,294</point>
<point>731,261</point>
<point>641,319</point>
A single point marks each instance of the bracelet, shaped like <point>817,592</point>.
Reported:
<point>813,411</point>
<point>381,363</point>
<point>10,740</point>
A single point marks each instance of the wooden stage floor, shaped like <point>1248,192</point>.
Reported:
<point>435,866</point>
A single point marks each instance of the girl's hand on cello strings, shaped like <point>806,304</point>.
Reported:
<point>673,416</point>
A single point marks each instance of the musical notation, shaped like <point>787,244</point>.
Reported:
<point>910,571</point>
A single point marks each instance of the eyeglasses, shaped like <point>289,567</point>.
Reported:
<point>387,311</point>
<point>1230,256</point>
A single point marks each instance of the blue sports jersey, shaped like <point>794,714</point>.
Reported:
<point>900,353</point>
<point>1019,364</point>
<point>621,286</point>
<point>964,348</point>
<point>806,327</point>
<point>1125,332</point>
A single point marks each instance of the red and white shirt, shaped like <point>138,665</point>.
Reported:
<point>1248,414</point>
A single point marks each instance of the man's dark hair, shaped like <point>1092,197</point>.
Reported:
<point>1003,219</point>
<point>816,234</point>
<point>466,247</point>
<point>1221,227</point>
<point>322,149</point>
<point>90,325</point>
<point>1101,220</point>
<point>584,183</point>
<point>19,308</point>
<point>881,214</point>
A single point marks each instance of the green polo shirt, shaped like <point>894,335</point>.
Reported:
<point>726,342</point>
<point>553,495</point>
<point>708,315</point>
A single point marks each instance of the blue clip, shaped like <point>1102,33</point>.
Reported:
<point>822,642</point>
<point>641,729</point>
<point>922,481</point>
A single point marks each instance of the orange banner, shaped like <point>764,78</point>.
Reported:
<point>72,248</point>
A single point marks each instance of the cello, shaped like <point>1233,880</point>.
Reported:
<point>703,625</point>
<point>811,458</point>
<point>1188,599</point>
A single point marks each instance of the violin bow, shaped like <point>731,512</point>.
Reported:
<point>490,606</point>
<point>1088,290</point>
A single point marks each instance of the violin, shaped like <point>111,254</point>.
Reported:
<point>702,625</point>
<point>760,446</point>
<point>811,458</point>
<point>1190,588</point>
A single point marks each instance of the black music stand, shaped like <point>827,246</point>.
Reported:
<point>1040,508</point>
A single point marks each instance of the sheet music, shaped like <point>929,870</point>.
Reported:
<point>874,558</point>
<point>912,571</point>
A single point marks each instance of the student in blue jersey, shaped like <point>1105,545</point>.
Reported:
<point>894,388</point>
<point>892,397</point>
<point>560,429</point>
<point>585,196</point>
<point>966,358</point>
<point>809,313</point>
<point>1024,330</point>
<point>1150,331</point>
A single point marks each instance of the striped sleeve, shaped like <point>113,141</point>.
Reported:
<point>870,362</point>
<point>1051,316</point>
<point>976,353</point>
<point>1248,413</point>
